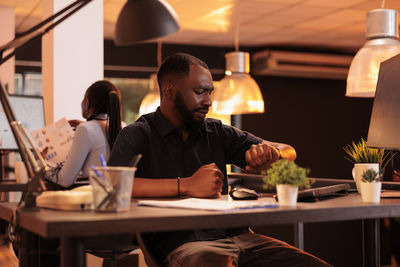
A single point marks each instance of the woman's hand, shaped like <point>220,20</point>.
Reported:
<point>44,152</point>
<point>74,123</point>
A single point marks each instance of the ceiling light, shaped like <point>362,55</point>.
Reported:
<point>237,93</point>
<point>382,44</point>
<point>141,20</point>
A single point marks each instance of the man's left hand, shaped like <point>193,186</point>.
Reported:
<point>260,157</point>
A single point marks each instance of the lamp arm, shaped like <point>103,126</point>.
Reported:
<point>23,148</point>
<point>35,184</point>
<point>33,33</point>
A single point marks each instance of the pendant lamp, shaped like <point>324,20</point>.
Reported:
<point>382,44</point>
<point>141,20</point>
<point>237,92</point>
<point>152,100</point>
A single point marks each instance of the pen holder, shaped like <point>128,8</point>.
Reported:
<point>112,188</point>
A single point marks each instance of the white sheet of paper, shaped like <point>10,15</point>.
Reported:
<point>211,204</point>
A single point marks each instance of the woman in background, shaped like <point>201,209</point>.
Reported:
<point>101,107</point>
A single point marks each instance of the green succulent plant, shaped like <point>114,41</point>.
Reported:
<point>286,172</point>
<point>370,176</point>
<point>361,153</point>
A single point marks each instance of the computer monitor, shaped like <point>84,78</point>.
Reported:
<point>384,127</point>
<point>29,111</point>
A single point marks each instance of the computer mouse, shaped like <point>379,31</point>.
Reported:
<point>241,193</point>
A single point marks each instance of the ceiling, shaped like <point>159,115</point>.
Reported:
<point>322,24</point>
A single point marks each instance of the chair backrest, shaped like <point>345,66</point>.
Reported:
<point>151,261</point>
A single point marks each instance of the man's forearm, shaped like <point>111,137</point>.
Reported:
<point>143,187</point>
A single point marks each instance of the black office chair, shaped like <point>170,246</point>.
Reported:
<point>151,261</point>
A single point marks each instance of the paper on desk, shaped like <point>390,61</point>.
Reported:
<point>210,204</point>
<point>390,194</point>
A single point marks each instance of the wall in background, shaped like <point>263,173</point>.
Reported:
<point>315,117</point>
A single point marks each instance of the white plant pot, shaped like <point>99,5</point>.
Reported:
<point>287,194</point>
<point>371,191</point>
<point>359,169</point>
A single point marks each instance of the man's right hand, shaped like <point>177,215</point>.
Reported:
<point>206,182</point>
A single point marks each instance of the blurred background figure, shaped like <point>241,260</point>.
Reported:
<point>101,107</point>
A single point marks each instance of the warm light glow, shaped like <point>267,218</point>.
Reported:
<point>237,94</point>
<point>228,72</point>
<point>219,18</point>
<point>215,16</point>
<point>149,103</point>
<point>152,100</point>
<point>364,69</point>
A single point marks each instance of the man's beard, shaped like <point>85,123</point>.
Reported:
<point>187,115</point>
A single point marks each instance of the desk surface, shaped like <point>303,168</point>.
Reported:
<point>53,223</point>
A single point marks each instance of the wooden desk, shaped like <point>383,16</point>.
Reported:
<point>70,227</point>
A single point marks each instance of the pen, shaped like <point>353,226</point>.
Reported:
<point>100,182</point>
<point>102,160</point>
<point>135,160</point>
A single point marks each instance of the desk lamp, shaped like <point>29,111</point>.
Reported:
<point>22,138</point>
<point>29,153</point>
<point>157,10</point>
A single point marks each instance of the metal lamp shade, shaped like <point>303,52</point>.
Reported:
<point>382,44</point>
<point>237,93</point>
<point>142,20</point>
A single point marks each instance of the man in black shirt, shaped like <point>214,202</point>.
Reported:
<point>185,154</point>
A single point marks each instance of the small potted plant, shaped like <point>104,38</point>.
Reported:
<point>365,158</point>
<point>371,186</point>
<point>287,177</point>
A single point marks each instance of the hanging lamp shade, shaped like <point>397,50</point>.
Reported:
<point>152,100</point>
<point>237,92</point>
<point>382,44</point>
<point>141,20</point>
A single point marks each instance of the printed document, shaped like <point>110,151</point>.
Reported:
<point>57,137</point>
<point>211,204</point>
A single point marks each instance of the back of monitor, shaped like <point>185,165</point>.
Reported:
<point>384,127</point>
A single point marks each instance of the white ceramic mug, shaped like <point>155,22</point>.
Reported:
<point>359,169</point>
<point>21,175</point>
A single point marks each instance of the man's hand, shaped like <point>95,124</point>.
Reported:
<point>260,157</point>
<point>207,181</point>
